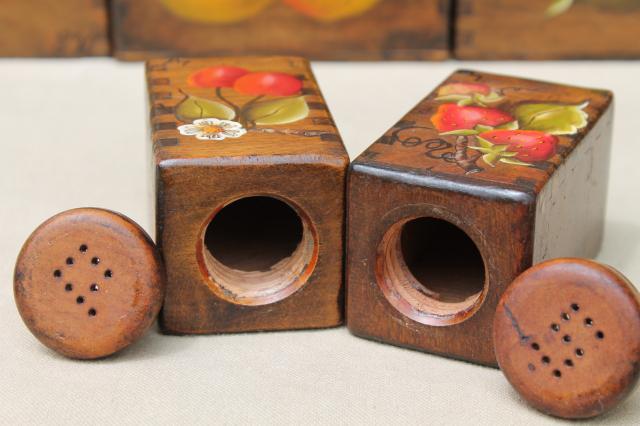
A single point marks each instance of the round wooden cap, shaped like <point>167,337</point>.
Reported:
<point>567,337</point>
<point>88,282</point>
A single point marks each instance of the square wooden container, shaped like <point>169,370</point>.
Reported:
<point>317,29</point>
<point>547,29</point>
<point>250,179</point>
<point>54,28</point>
<point>485,177</point>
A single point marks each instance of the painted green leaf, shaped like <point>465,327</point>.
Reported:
<point>491,98</point>
<point>552,118</point>
<point>471,99</point>
<point>460,132</point>
<point>558,7</point>
<point>482,128</point>
<point>453,98</point>
<point>483,143</point>
<point>491,158</point>
<point>486,147</point>
<point>193,108</point>
<point>279,111</point>
<point>512,125</point>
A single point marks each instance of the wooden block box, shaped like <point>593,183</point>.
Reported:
<point>317,29</point>
<point>547,29</point>
<point>250,178</point>
<point>54,28</point>
<point>485,177</point>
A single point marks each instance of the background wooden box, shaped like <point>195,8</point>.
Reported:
<point>54,28</point>
<point>250,201</point>
<point>444,212</point>
<point>317,29</point>
<point>547,29</point>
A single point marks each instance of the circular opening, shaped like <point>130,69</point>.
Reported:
<point>431,271</point>
<point>546,360</point>
<point>555,327</point>
<point>84,248</point>
<point>95,260</point>
<point>108,273</point>
<point>94,287</point>
<point>80,300</point>
<point>69,260</point>
<point>258,250</point>
<point>92,312</point>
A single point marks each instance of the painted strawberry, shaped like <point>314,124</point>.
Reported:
<point>464,89</point>
<point>268,83</point>
<point>529,145</point>
<point>220,76</point>
<point>453,117</point>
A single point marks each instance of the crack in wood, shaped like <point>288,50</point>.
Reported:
<point>514,323</point>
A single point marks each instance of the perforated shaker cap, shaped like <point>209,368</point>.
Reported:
<point>567,337</point>
<point>88,282</point>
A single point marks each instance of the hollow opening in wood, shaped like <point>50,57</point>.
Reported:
<point>431,271</point>
<point>258,250</point>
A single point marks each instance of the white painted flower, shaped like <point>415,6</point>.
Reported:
<point>213,129</point>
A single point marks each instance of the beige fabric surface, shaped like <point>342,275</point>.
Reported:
<point>74,134</point>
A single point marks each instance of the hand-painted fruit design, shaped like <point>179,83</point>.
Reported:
<point>331,10</point>
<point>525,135</point>
<point>468,94</point>
<point>558,7</point>
<point>529,145</point>
<point>268,83</point>
<point>213,119</point>
<point>222,76</point>
<point>519,147</point>
<point>453,117</point>
<point>216,11</point>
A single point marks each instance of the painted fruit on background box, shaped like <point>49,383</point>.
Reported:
<point>268,99</point>
<point>558,7</point>
<point>216,11</point>
<point>331,10</point>
<point>232,11</point>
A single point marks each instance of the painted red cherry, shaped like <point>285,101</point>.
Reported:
<point>464,89</point>
<point>268,83</point>
<point>530,145</point>
<point>220,76</point>
<point>450,117</point>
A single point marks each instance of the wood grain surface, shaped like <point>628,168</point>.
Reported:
<point>50,28</point>
<point>88,283</point>
<point>567,336</point>
<point>528,29</point>
<point>274,184</point>
<point>384,29</point>
<point>519,166</point>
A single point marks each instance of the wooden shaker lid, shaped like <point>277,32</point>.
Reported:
<point>567,337</point>
<point>88,282</point>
